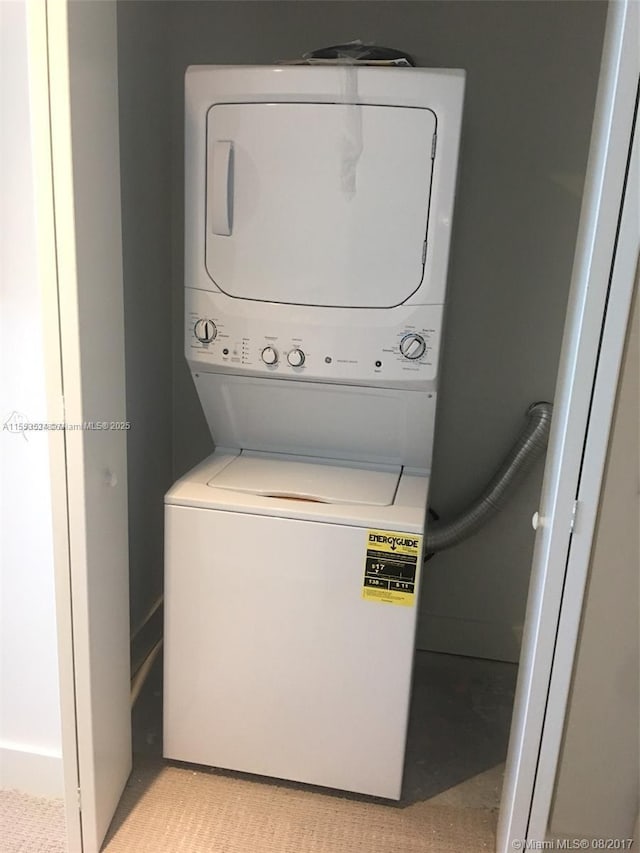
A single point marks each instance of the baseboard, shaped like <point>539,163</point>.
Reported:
<point>468,637</point>
<point>36,773</point>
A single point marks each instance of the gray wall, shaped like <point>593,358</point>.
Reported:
<point>532,71</point>
<point>145,157</point>
<point>597,783</point>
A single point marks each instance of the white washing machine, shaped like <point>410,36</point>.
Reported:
<point>318,214</point>
<point>291,622</point>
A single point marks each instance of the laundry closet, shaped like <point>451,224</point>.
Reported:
<point>532,70</point>
<point>531,76</point>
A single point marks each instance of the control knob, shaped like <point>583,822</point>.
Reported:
<point>270,355</point>
<point>296,357</point>
<point>205,331</point>
<point>413,346</point>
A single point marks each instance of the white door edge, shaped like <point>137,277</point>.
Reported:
<point>82,48</point>
<point>595,247</point>
<point>37,46</point>
<point>591,479</point>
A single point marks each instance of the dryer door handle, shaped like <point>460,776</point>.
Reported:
<point>220,187</point>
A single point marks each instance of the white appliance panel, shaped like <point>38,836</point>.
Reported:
<point>309,479</point>
<point>318,204</point>
<point>435,90</point>
<point>314,419</point>
<point>392,348</point>
<point>407,512</point>
<point>275,664</point>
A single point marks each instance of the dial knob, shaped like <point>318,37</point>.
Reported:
<point>295,357</point>
<point>205,331</point>
<point>413,346</point>
<point>270,355</point>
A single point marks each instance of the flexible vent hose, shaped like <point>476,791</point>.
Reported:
<point>529,446</point>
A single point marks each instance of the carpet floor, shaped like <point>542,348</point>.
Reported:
<point>176,809</point>
<point>31,824</point>
<point>458,733</point>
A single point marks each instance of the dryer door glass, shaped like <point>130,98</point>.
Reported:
<point>318,204</point>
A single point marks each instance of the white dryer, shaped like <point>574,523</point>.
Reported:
<point>318,213</point>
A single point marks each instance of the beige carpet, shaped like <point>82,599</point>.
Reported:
<point>457,741</point>
<point>176,809</point>
<point>173,809</point>
<point>30,824</point>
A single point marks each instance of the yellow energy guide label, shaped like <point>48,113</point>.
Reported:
<point>391,567</point>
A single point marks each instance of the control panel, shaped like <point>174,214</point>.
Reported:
<point>387,347</point>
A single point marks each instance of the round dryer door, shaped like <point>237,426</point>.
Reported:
<point>318,204</point>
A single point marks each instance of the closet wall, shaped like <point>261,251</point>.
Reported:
<point>532,70</point>
<point>145,165</point>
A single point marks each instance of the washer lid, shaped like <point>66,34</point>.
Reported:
<point>318,204</point>
<point>325,481</point>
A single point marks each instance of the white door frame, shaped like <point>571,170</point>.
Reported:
<point>617,318</point>
<point>46,249</point>
<point>73,78</point>
<point>594,336</point>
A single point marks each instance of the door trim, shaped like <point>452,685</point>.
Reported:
<point>46,250</point>
<point>595,250</point>
<point>81,40</point>
<point>588,498</point>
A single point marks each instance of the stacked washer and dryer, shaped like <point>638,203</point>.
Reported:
<point>318,219</point>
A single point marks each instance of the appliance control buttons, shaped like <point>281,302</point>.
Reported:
<point>205,331</point>
<point>413,346</point>
<point>269,355</point>
<point>296,357</point>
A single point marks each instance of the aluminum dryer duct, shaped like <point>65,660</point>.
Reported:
<point>529,446</point>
